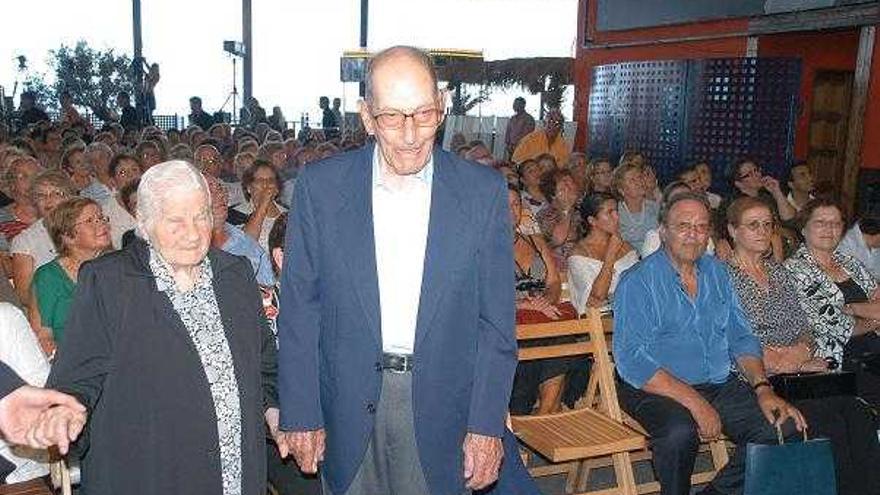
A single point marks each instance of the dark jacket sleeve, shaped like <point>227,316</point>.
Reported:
<point>496,347</point>
<point>83,359</point>
<point>9,380</point>
<point>299,321</point>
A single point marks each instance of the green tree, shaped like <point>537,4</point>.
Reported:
<point>93,78</point>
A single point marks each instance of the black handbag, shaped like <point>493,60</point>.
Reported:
<point>803,386</point>
<point>800,468</point>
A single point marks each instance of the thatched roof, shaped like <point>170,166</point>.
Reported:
<point>528,73</point>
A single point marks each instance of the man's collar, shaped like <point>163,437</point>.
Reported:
<point>426,174</point>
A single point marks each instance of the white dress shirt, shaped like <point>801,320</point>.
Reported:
<point>853,244</point>
<point>401,210</point>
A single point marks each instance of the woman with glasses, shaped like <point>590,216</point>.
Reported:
<point>261,185</point>
<point>33,248</point>
<point>749,180</point>
<point>79,232</point>
<point>769,296</point>
<point>836,291</point>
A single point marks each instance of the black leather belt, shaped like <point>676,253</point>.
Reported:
<point>397,363</point>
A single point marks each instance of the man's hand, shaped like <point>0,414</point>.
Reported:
<point>307,448</point>
<point>58,425</point>
<point>482,460</point>
<point>777,411</point>
<point>707,418</point>
<point>273,416</point>
<point>21,409</point>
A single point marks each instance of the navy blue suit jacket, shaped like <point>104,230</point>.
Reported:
<point>329,328</point>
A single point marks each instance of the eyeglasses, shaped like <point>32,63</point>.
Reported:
<point>56,194</point>
<point>827,224</point>
<point>94,221</point>
<point>696,228</point>
<point>394,119</point>
<point>756,226</point>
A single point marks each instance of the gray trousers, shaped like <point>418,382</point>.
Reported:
<point>391,465</point>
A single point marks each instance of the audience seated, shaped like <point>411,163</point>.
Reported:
<point>601,256</point>
<point>79,233</point>
<point>533,199</point>
<point>770,300</point>
<point>652,237</point>
<point>21,213</point>
<point>800,185</point>
<point>600,176</point>
<point>862,242</point>
<point>538,288</point>
<point>638,214</point>
<point>124,168</point>
<point>232,240</point>
<point>261,185</point>
<point>559,221</point>
<point>679,331</point>
<point>838,294</point>
<point>98,156</point>
<point>33,248</point>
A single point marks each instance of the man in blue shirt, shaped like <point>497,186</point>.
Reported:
<point>679,330</point>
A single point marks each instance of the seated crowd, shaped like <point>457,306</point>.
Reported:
<point>759,283</point>
<point>68,194</point>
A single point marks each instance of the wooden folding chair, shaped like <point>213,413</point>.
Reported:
<point>593,398</point>
<point>565,439</point>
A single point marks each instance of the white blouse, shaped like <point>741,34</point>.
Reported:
<point>582,272</point>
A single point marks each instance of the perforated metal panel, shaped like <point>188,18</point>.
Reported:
<point>639,106</point>
<point>743,107</point>
<point>677,112</point>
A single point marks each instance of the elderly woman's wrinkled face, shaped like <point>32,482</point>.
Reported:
<point>823,229</point>
<point>182,231</point>
<point>754,230</point>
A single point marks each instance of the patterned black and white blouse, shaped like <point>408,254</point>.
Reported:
<point>823,301</point>
<point>775,313</point>
<point>200,314</point>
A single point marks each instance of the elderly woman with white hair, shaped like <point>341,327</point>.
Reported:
<point>168,349</point>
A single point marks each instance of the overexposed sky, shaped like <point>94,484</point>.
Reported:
<point>297,43</point>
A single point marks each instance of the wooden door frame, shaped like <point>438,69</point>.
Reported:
<point>855,127</point>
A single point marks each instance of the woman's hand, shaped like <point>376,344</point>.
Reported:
<point>542,305</point>
<point>612,251</point>
<point>46,341</point>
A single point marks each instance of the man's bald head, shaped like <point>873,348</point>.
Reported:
<point>397,53</point>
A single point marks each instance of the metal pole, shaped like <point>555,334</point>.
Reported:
<point>138,62</point>
<point>365,16</point>
<point>248,49</point>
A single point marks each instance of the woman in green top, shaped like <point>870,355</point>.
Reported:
<point>80,232</point>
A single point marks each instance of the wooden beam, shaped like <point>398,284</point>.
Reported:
<point>855,127</point>
<point>815,20</point>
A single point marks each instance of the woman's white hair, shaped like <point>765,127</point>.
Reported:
<point>162,181</point>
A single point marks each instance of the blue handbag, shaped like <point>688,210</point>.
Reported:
<point>803,468</point>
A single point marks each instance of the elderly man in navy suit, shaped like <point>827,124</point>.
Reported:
<point>397,343</point>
